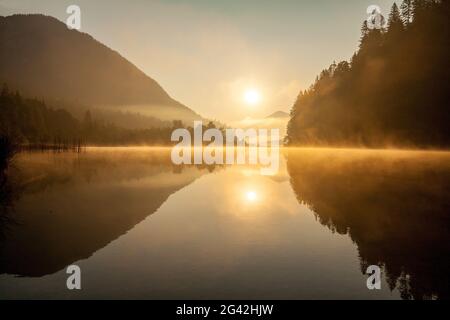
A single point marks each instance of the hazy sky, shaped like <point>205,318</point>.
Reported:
<point>207,53</point>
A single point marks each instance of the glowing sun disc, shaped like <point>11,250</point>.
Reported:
<point>251,196</point>
<point>252,97</point>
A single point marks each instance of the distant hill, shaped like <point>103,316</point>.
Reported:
<point>277,120</point>
<point>279,114</point>
<point>41,57</point>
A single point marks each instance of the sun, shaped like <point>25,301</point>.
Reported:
<point>252,97</point>
<point>251,196</point>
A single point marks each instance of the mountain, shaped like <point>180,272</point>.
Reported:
<point>41,57</point>
<point>279,114</point>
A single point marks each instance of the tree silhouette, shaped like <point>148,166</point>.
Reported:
<point>407,10</point>
<point>30,122</point>
<point>395,23</point>
<point>394,91</point>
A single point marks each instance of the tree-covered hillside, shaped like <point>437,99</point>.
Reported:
<point>32,122</point>
<point>393,92</point>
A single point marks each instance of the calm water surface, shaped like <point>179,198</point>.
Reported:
<point>140,227</point>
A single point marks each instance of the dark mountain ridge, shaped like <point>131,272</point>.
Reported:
<point>41,57</point>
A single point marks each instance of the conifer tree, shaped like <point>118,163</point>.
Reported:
<point>364,34</point>
<point>407,9</point>
<point>395,22</point>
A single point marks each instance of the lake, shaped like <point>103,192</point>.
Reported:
<point>141,228</point>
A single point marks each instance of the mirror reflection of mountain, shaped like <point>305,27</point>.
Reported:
<point>394,205</point>
<point>8,193</point>
<point>63,208</point>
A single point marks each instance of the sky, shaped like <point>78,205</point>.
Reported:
<point>208,54</point>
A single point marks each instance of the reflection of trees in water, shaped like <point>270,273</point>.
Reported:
<point>8,193</point>
<point>71,205</point>
<point>395,207</point>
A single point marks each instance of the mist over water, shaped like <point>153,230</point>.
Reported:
<point>141,227</point>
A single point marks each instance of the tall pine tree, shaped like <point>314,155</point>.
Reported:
<point>395,23</point>
<point>364,34</point>
<point>407,10</point>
